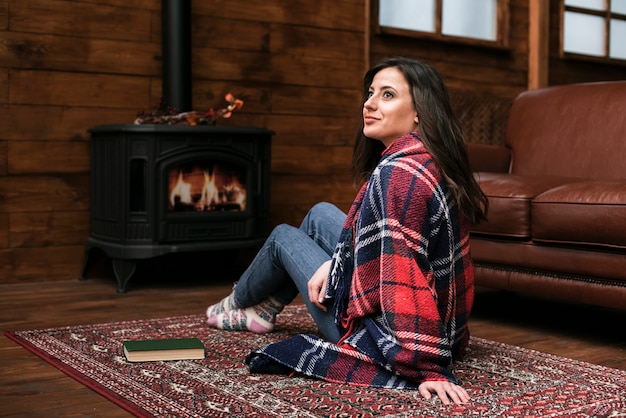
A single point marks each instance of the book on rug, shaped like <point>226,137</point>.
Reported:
<point>163,349</point>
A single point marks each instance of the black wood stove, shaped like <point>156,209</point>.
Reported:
<point>159,189</point>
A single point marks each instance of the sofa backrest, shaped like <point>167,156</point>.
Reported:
<point>576,130</point>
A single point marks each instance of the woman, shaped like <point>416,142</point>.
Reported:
<point>390,285</point>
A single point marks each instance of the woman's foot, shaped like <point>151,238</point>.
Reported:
<point>258,318</point>
<point>225,305</point>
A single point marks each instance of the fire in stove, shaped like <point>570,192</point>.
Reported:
<point>205,187</point>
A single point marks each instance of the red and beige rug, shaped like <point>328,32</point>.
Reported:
<point>503,380</point>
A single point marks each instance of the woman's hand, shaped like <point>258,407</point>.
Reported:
<point>317,285</point>
<point>445,391</point>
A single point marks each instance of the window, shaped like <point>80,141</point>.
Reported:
<point>594,29</point>
<point>482,22</point>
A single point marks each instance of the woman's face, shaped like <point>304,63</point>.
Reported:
<point>388,112</point>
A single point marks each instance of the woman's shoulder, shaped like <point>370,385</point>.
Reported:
<point>416,163</point>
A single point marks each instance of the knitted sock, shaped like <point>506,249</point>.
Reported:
<point>225,305</point>
<point>258,318</point>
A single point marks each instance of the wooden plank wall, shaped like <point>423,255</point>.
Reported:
<point>68,65</point>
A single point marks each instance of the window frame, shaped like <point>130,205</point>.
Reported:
<point>607,15</point>
<point>502,40</point>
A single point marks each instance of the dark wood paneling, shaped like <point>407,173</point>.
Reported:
<point>58,123</point>
<point>38,229</point>
<point>337,15</point>
<point>40,193</point>
<point>41,263</point>
<point>81,20</point>
<point>68,65</point>
<point>328,131</point>
<point>4,14</point>
<point>3,159</point>
<point>4,88</point>
<point>77,89</point>
<point>72,53</point>
<point>4,230</point>
<point>309,160</point>
<point>51,157</point>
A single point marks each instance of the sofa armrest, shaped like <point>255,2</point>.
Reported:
<point>489,158</point>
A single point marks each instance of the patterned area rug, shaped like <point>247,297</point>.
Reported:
<point>503,380</point>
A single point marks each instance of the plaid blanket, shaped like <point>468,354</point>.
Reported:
<point>401,283</point>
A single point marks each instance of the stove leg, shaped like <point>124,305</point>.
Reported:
<point>124,269</point>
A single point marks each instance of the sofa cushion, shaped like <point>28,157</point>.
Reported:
<point>510,199</point>
<point>586,212</point>
<point>569,131</point>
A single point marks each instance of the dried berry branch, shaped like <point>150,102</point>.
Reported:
<point>163,114</point>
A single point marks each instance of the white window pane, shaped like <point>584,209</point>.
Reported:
<point>583,34</point>
<point>618,38</point>
<point>475,19</point>
<point>587,4</point>
<point>407,14</point>
<point>618,6</point>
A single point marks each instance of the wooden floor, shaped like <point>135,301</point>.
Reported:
<point>30,387</point>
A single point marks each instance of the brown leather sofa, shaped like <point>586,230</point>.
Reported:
<point>557,191</point>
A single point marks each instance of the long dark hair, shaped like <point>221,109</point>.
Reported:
<point>438,128</point>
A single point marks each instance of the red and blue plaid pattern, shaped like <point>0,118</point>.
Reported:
<point>402,283</point>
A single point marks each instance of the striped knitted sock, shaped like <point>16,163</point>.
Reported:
<point>225,305</point>
<point>258,318</point>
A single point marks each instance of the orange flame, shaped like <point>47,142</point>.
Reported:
<point>203,191</point>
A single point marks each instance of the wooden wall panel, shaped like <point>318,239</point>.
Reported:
<point>77,89</point>
<point>51,157</point>
<point>227,33</point>
<point>291,200</point>
<point>4,231</point>
<point>39,229</point>
<point>58,123</point>
<point>38,264</point>
<point>39,193</point>
<point>3,159</point>
<point>4,14</point>
<point>321,160</point>
<point>319,101</point>
<point>323,131</point>
<point>4,87</point>
<point>81,20</point>
<point>338,15</point>
<point>57,52</point>
<point>68,65</point>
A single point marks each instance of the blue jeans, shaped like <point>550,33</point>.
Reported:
<point>288,259</point>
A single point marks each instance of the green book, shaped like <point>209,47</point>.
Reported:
<point>163,350</point>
